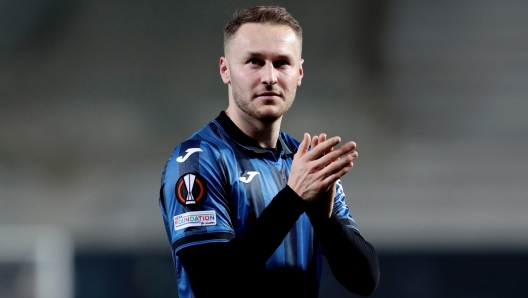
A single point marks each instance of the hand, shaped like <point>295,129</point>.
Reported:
<point>323,207</point>
<point>314,172</point>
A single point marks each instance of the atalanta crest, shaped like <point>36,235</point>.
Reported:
<point>190,189</point>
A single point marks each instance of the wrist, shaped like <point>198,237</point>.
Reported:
<point>294,198</point>
<point>316,215</point>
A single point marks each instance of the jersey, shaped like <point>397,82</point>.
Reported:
<point>219,181</point>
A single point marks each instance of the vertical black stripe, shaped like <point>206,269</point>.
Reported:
<point>190,165</point>
<point>290,241</point>
<point>281,178</point>
<point>314,261</point>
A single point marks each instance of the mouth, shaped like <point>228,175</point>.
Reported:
<point>268,94</point>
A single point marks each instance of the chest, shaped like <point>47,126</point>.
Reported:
<point>255,182</point>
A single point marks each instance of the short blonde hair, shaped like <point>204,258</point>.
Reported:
<point>275,15</point>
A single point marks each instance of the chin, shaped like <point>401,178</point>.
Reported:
<point>268,119</point>
<point>270,116</point>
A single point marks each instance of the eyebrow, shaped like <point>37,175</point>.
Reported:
<point>281,56</point>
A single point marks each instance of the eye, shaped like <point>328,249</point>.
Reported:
<point>255,61</point>
<point>280,63</point>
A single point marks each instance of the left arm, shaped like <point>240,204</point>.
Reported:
<point>353,260</point>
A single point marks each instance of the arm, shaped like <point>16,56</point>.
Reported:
<point>353,260</point>
<point>242,258</point>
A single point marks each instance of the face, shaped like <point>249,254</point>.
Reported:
<point>263,68</point>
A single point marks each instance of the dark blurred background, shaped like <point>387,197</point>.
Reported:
<point>95,95</point>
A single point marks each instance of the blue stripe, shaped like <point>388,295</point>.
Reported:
<point>254,195</point>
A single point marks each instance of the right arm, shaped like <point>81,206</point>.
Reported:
<point>243,257</point>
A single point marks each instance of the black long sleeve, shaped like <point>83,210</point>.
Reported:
<point>242,259</point>
<point>353,260</point>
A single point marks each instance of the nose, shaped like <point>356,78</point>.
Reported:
<point>269,77</point>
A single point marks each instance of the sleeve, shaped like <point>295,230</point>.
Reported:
<point>341,210</point>
<point>193,196</point>
<point>243,258</point>
<point>352,259</point>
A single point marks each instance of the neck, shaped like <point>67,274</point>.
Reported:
<point>265,134</point>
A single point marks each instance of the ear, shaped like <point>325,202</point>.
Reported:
<point>224,70</point>
<point>301,73</point>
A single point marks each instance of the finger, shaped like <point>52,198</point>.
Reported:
<point>333,177</point>
<point>348,148</point>
<point>318,139</point>
<point>337,169</point>
<point>303,146</point>
<point>334,155</point>
<point>322,137</point>
<point>315,141</point>
<point>322,147</point>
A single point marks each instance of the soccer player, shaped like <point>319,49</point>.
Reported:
<point>248,210</point>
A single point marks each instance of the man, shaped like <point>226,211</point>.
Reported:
<point>247,209</point>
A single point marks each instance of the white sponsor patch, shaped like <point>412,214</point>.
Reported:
<point>195,219</point>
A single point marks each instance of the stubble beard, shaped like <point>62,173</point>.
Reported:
<point>246,105</point>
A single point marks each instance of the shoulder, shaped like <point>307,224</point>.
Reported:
<point>207,142</point>
<point>206,151</point>
<point>196,151</point>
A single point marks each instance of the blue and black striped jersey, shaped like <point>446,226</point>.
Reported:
<point>219,181</point>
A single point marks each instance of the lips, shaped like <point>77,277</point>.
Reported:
<point>268,94</point>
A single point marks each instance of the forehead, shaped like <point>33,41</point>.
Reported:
<point>257,37</point>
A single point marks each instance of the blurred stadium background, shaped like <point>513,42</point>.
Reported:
<point>94,96</point>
